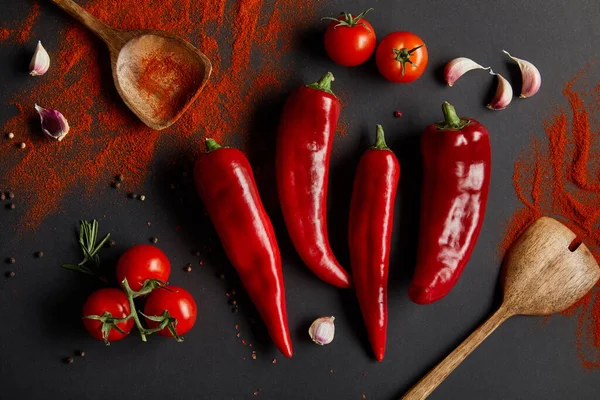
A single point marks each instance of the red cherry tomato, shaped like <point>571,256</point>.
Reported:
<point>143,262</point>
<point>110,300</point>
<point>349,40</point>
<point>180,304</point>
<point>401,57</point>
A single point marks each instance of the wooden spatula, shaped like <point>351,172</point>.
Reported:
<point>540,276</point>
<point>164,97</point>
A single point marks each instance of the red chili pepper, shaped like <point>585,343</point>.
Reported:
<point>227,188</point>
<point>370,232</point>
<point>456,161</point>
<point>302,165</point>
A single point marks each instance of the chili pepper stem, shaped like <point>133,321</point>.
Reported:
<point>324,83</point>
<point>211,145</point>
<point>134,315</point>
<point>450,115</point>
<point>451,119</point>
<point>380,140</point>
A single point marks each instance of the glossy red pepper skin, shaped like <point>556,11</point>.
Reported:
<point>226,186</point>
<point>369,236</point>
<point>456,177</point>
<point>304,143</point>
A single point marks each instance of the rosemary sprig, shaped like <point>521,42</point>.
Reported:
<point>88,236</point>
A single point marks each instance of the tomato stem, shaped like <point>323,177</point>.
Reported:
<point>380,140</point>
<point>403,56</point>
<point>130,295</point>
<point>348,20</point>
<point>324,83</point>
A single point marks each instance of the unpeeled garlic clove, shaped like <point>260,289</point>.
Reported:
<point>40,62</point>
<point>322,330</point>
<point>532,79</point>
<point>503,96</point>
<point>54,124</point>
<point>458,67</point>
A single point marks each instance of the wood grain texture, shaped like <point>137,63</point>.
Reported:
<point>128,49</point>
<point>540,276</point>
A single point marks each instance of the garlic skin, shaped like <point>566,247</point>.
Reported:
<point>40,62</point>
<point>322,330</point>
<point>458,67</point>
<point>54,124</point>
<point>532,79</point>
<point>503,96</point>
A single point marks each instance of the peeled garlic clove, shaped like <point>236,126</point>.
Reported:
<point>40,62</point>
<point>503,96</point>
<point>322,330</point>
<point>532,80</point>
<point>458,67</point>
<point>54,124</point>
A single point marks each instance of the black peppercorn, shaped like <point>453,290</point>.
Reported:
<point>120,178</point>
<point>39,254</point>
<point>154,240</point>
<point>81,353</point>
<point>69,360</point>
<point>188,268</point>
<point>10,274</point>
<point>11,260</point>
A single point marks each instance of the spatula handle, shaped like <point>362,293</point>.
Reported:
<point>432,380</point>
<point>102,30</point>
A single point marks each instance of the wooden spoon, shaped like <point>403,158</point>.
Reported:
<point>157,74</point>
<point>540,276</point>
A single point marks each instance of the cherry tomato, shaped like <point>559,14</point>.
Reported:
<point>113,301</point>
<point>142,262</point>
<point>180,304</point>
<point>401,57</point>
<point>349,40</point>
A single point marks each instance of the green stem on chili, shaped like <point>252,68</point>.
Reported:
<point>380,140</point>
<point>211,145</point>
<point>451,119</point>
<point>323,84</point>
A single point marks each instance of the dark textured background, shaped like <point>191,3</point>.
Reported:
<point>524,359</point>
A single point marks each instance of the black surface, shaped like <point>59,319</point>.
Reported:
<point>524,359</point>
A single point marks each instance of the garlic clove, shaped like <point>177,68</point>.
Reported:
<point>532,79</point>
<point>322,330</point>
<point>503,96</point>
<point>54,124</point>
<point>40,62</point>
<point>458,67</point>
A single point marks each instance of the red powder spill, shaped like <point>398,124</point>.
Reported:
<point>247,46</point>
<point>22,35</point>
<point>561,178</point>
<point>4,34</point>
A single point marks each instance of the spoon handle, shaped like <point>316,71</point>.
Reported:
<point>102,30</point>
<point>432,380</point>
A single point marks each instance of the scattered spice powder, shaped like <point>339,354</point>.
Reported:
<point>247,48</point>
<point>561,178</point>
<point>24,33</point>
